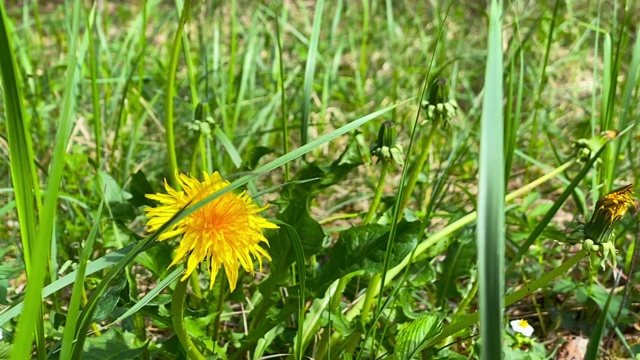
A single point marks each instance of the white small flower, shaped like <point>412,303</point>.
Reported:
<point>522,326</point>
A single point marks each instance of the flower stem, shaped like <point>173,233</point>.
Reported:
<point>374,284</point>
<point>416,170</point>
<point>378,194</point>
<point>177,316</point>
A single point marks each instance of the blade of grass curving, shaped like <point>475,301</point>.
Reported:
<point>554,209</point>
<point>78,287</point>
<point>491,218</point>
<point>86,316</point>
<point>300,265</point>
<point>33,298</point>
<point>598,330</point>
<point>228,145</point>
<point>309,72</point>
<point>93,267</point>
<point>23,176</point>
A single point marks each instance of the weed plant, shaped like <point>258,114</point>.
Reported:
<point>326,180</point>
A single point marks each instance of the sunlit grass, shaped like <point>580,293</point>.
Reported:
<point>504,123</point>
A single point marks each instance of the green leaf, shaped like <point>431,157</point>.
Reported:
<point>157,259</point>
<point>112,191</point>
<point>112,345</point>
<point>414,337</point>
<point>363,248</point>
<point>458,263</point>
<point>138,188</point>
<point>255,154</point>
<point>109,300</point>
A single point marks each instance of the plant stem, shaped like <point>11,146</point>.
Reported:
<point>374,284</point>
<point>416,170</point>
<point>177,316</point>
<point>378,194</point>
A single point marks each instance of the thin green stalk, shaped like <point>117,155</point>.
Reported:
<point>233,42</point>
<point>363,45</point>
<point>78,288</point>
<point>378,194</point>
<point>417,169</point>
<point>95,92</point>
<point>177,317</point>
<point>309,72</point>
<point>283,103</point>
<point>219,306</point>
<point>170,91</point>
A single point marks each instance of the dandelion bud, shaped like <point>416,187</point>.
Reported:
<point>439,107</point>
<point>385,147</point>
<point>585,148</point>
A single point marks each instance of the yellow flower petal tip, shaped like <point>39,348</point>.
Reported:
<point>226,232</point>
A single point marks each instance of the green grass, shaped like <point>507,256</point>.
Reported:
<point>429,259</point>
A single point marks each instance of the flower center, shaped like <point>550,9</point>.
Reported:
<point>523,323</point>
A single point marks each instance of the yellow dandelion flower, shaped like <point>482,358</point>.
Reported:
<point>226,232</point>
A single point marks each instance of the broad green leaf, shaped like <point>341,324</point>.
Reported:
<point>112,345</point>
<point>109,300</point>
<point>415,336</point>
<point>363,248</point>
<point>254,156</point>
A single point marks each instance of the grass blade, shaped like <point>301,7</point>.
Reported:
<point>309,72</point>
<point>23,175</point>
<point>598,330</point>
<point>491,219</point>
<point>78,285</point>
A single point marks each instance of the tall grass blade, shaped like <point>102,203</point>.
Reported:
<point>491,219</point>
<point>598,330</point>
<point>32,317</point>
<point>78,287</point>
<point>170,92</point>
<point>309,72</point>
<point>23,176</point>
